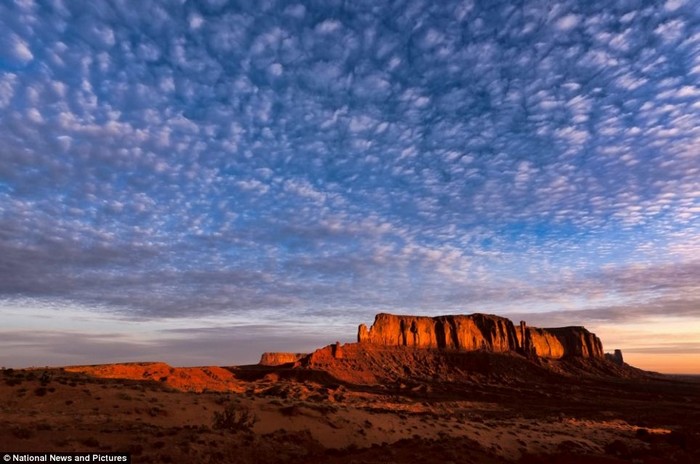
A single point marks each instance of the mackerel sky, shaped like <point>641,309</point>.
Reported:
<point>196,182</point>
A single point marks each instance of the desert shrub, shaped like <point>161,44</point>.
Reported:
<point>22,433</point>
<point>352,448</point>
<point>135,449</point>
<point>290,411</point>
<point>157,411</point>
<point>617,448</point>
<point>235,419</point>
<point>221,400</point>
<point>679,438</point>
<point>41,391</point>
<point>91,442</point>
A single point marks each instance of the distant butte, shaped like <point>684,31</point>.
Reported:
<point>396,348</point>
<point>279,358</point>
<point>461,348</point>
<point>481,332</point>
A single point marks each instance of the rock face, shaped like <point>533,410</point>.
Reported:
<point>563,342</point>
<point>277,359</point>
<point>469,333</point>
<point>480,332</point>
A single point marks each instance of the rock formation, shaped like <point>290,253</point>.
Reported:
<point>563,342</point>
<point>480,332</point>
<point>468,333</point>
<point>277,359</point>
<point>615,357</point>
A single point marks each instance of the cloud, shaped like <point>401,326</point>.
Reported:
<point>667,307</point>
<point>7,86</point>
<point>196,346</point>
<point>196,21</point>
<point>667,348</point>
<point>673,5</point>
<point>204,159</point>
<point>567,22</point>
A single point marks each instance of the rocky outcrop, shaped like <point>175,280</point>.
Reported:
<point>615,357</point>
<point>480,332</point>
<point>277,359</point>
<point>325,355</point>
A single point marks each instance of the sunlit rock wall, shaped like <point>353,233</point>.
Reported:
<point>480,332</point>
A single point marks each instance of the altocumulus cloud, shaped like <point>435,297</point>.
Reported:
<point>189,159</point>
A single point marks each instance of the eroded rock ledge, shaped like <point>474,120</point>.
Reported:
<point>481,332</point>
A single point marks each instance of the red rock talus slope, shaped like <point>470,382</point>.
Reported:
<point>480,332</point>
<point>370,364</point>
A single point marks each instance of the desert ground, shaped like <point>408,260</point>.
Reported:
<point>486,408</point>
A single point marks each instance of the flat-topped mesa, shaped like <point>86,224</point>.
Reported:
<point>468,333</point>
<point>278,358</point>
<point>480,332</point>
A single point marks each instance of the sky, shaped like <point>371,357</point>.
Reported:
<point>198,182</point>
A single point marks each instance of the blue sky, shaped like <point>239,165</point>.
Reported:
<point>200,181</point>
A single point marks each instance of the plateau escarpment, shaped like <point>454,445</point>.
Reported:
<point>480,332</point>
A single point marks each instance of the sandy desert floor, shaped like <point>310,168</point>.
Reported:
<point>283,415</point>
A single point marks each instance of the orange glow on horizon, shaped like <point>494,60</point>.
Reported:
<point>676,363</point>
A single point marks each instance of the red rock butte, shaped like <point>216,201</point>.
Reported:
<point>480,332</point>
<point>279,358</point>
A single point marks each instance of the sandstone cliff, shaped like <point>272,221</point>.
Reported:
<point>277,358</point>
<point>480,332</point>
<point>469,333</point>
<point>563,342</point>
